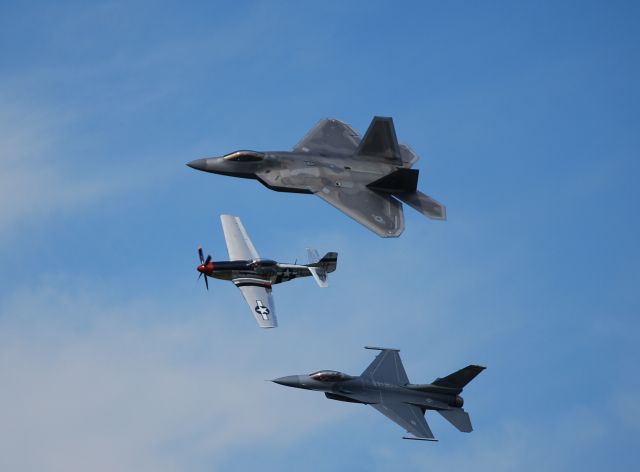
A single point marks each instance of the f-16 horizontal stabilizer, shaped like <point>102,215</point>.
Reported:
<point>423,204</point>
<point>460,378</point>
<point>458,418</point>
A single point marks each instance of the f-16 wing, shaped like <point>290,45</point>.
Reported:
<point>258,296</point>
<point>239,246</point>
<point>410,417</point>
<point>386,367</point>
<point>329,137</point>
<point>381,213</point>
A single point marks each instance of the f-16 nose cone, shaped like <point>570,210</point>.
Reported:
<point>288,381</point>
<point>198,164</point>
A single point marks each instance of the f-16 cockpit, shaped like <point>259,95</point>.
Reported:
<point>329,376</point>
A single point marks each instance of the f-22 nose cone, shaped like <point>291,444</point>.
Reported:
<point>198,164</point>
<point>288,381</point>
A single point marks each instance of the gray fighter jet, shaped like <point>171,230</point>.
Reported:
<point>255,276</point>
<point>365,178</point>
<point>384,385</point>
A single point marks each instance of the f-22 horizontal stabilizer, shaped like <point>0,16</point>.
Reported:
<point>423,204</point>
<point>403,184</point>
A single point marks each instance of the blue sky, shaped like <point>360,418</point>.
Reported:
<point>526,119</point>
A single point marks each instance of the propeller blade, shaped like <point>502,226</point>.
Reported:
<point>208,260</point>
<point>201,254</point>
<point>206,281</point>
<point>200,276</point>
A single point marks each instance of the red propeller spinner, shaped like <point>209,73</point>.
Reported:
<point>205,267</point>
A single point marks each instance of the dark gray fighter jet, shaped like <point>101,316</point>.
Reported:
<point>365,178</point>
<point>384,385</point>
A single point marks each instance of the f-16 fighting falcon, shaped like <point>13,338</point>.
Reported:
<point>384,385</point>
<point>255,276</point>
<point>365,178</point>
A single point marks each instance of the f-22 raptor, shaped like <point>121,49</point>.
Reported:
<point>365,178</point>
<point>255,276</point>
<point>384,385</point>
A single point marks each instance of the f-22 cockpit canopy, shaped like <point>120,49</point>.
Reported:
<point>244,156</point>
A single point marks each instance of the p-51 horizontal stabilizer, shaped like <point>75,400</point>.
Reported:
<point>320,276</point>
<point>320,268</point>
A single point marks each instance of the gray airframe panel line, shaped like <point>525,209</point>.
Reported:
<point>385,386</point>
<point>255,276</point>
<point>367,179</point>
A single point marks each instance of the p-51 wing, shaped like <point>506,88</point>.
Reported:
<point>239,246</point>
<point>260,301</point>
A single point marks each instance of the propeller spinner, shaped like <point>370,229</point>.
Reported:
<point>204,266</point>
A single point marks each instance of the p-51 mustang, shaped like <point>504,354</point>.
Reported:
<point>255,276</point>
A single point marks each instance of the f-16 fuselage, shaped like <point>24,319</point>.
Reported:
<point>358,389</point>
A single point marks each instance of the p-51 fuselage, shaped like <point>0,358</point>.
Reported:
<point>266,269</point>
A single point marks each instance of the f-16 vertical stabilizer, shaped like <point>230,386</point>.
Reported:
<point>460,378</point>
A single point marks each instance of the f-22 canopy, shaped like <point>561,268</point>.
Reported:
<point>367,178</point>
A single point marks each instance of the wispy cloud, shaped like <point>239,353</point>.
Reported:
<point>92,384</point>
<point>35,180</point>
